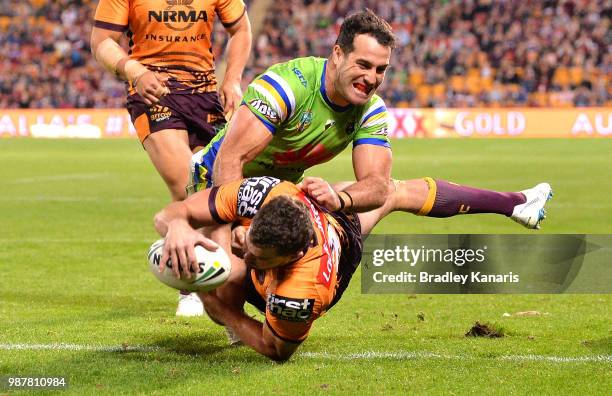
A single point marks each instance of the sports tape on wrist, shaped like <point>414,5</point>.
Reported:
<point>109,54</point>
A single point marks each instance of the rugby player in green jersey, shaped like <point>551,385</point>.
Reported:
<point>305,111</point>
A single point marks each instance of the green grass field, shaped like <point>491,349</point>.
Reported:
<point>76,298</point>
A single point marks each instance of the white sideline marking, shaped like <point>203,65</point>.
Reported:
<point>77,347</point>
<point>560,359</point>
<point>68,176</point>
<point>46,198</point>
<point>368,355</point>
<point>75,240</point>
<point>405,355</point>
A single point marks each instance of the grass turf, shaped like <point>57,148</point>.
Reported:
<point>76,220</point>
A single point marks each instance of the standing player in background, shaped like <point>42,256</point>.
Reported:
<point>170,71</point>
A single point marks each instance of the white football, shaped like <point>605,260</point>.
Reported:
<point>214,266</point>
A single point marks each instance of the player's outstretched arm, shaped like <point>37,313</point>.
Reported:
<point>252,332</point>
<point>244,140</point>
<point>238,50</point>
<point>372,166</point>
<point>177,223</point>
<point>194,211</point>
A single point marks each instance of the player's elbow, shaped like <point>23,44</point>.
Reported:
<point>93,44</point>
<point>94,40</point>
<point>277,350</point>
<point>279,358</point>
<point>228,166</point>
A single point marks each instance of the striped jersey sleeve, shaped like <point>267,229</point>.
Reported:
<point>230,11</point>
<point>112,15</point>
<point>271,98</point>
<point>373,126</point>
<point>241,199</point>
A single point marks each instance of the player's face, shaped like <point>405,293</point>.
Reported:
<point>361,71</point>
<point>263,258</point>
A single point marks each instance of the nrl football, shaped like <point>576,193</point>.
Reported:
<point>214,269</point>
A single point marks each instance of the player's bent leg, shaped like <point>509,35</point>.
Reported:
<point>409,195</point>
<point>532,212</point>
<point>404,195</point>
<point>170,154</point>
<point>440,198</point>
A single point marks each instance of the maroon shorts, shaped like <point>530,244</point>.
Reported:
<point>200,114</point>
<point>352,249</point>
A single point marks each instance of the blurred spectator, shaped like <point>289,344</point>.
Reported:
<point>464,53</point>
<point>46,60</point>
<point>452,53</point>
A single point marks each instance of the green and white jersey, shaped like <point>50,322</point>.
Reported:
<point>290,100</point>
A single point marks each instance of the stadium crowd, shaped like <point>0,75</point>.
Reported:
<point>450,53</point>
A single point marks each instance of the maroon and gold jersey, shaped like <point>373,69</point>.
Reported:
<point>171,36</point>
<point>298,293</point>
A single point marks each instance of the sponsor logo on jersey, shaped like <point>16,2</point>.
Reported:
<point>329,124</point>
<point>159,113</point>
<point>290,309</point>
<point>179,15</point>
<point>175,39</point>
<point>305,121</point>
<point>300,76</point>
<point>252,193</point>
<point>212,118</point>
<point>265,110</point>
<point>384,131</point>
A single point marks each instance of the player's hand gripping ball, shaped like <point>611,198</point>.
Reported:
<point>214,270</point>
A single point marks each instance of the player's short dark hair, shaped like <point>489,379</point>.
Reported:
<point>283,224</point>
<point>365,22</point>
